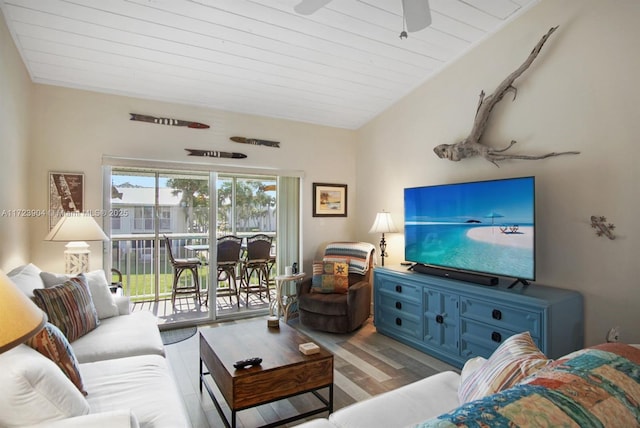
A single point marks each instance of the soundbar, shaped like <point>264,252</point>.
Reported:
<point>453,274</point>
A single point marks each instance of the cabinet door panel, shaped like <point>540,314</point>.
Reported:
<point>441,319</point>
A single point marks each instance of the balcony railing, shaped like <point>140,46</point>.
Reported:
<point>141,258</point>
<point>143,261</point>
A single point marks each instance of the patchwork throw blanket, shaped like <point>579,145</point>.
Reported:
<point>593,387</point>
<point>357,254</point>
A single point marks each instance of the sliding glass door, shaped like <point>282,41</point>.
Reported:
<point>160,207</point>
<point>155,209</point>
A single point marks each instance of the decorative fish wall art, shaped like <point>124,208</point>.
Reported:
<point>255,141</point>
<point>167,121</point>
<point>215,154</point>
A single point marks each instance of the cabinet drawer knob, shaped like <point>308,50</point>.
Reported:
<point>496,337</point>
<point>398,321</point>
<point>399,288</point>
<point>439,319</point>
<point>398,305</point>
<point>496,314</point>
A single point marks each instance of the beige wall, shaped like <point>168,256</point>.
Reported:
<point>580,94</point>
<point>73,129</point>
<point>45,128</point>
<point>15,104</point>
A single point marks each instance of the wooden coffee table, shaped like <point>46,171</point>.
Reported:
<point>284,371</point>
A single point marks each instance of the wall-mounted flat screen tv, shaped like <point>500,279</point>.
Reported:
<point>485,226</point>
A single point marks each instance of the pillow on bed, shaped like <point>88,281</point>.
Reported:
<point>69,307</point>
<point>515,359</point>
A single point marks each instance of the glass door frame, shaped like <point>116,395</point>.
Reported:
<point>110,162</point>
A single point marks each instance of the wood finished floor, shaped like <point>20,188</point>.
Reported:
<point>186,310</point>
<point>365,364</point>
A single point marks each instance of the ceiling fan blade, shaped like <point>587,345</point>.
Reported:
<point>307,7</point>
<point>417,14</point>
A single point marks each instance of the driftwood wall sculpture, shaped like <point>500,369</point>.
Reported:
<point>471,146</point>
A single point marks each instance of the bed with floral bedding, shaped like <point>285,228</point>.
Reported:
<point>592,387</point>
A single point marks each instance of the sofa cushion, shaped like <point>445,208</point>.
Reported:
<point>594,387</point>
<point>333,304</point>
<point>69,307</point>
<point>143,384</point>
<point>27,278</point>
<point>115,419</point>
<point>34,390</point>
<point>404,406</point>
<point>330,277</point>
<point>103,299</point>
<point>51,343</point>
<point>121,336</point>
<point>515,359</point>
<point>319,423</point>
<point>124,304</point>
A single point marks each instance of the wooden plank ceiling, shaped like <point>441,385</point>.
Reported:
<point>339,67</point>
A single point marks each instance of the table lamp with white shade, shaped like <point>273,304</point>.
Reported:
<point>383,224</point>
<point>76,229</point>
<point>20,318</point>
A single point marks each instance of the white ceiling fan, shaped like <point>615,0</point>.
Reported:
<point>416,13</point>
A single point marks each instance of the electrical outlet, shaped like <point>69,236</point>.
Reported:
<point>613,335</point>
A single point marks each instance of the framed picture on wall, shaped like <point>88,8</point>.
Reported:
<point>66,194</point>
<point>329,200</point>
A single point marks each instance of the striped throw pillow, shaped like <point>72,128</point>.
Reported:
<point>515,359</point>
<point>69,307</point>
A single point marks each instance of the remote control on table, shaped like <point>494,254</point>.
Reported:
<point>248,362</point>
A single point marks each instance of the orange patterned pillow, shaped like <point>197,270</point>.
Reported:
<point>51,343</point>
<point>330,277</point>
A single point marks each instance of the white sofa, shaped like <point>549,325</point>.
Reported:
<point>515,383</point>
<point>127,379</point>
<point>402,407</point>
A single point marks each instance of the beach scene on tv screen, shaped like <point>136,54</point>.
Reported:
<point>484,226</point>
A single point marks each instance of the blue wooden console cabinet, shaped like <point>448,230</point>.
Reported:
<point>455,320</point>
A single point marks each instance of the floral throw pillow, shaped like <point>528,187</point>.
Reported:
<point>69,307</point>
<point>51,343</point>
<point>330,277</point>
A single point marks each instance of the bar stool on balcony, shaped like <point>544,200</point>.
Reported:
<point>256,263</point>
<point>228,260</point>
<point>179,267</point>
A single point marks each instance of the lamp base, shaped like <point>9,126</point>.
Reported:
<point>383,248</point>
<point>76,257</point>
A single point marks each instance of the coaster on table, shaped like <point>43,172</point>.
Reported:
<point>309,348</point>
